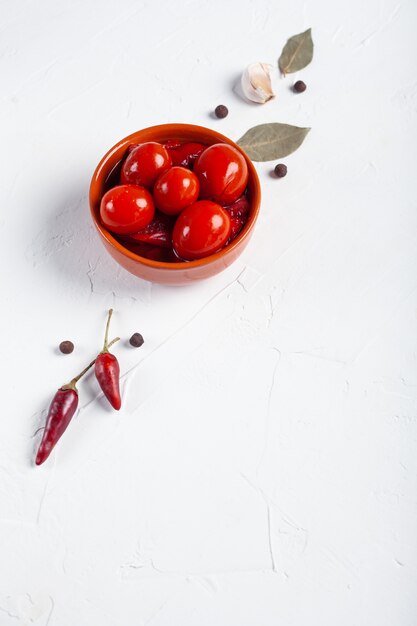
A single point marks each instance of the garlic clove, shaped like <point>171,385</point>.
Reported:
<point>256,82</point>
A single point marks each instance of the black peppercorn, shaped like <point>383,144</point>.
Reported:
<point>299,86</point>
<point>136,340</point>
<point>221,111</point>
<point>280,170</point>
<point>66,347</point>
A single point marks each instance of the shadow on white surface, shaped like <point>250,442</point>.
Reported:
<point>70,248</point>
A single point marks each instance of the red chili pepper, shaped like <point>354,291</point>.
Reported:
<point>238,212</point>
<point>239,208</point>
<point>236,225</point>
<point>63,407</point>
<point>184,154</point>
<point>171,144</point>
<point>158,232</point>
<point>156,253</point>
<point>61,411</point>
<point>107,371</point>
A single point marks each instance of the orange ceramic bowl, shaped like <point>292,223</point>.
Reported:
<point>184,271</point>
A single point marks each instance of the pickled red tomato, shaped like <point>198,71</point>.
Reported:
<point>144,164</point>
<point>125,209</point>
<point>222,172</point>
<point>190,225</point>
<point>176,189</point>
<point>200,230</point>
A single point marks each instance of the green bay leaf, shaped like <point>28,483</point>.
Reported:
<point>297,53</point>
<point>267,142</point>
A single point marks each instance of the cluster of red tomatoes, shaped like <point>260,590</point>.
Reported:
<point>178,201</point>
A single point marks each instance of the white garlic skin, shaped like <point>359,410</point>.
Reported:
<point>256,83</point>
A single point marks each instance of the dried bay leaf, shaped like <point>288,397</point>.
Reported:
<point>297,53</point>
<point>267,142</point>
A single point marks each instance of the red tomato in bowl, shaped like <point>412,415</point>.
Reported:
<point>144,164</point>
<point>125,209</point>
<point>200,230</point>
<point>175,189</point>
<point>222,172</point>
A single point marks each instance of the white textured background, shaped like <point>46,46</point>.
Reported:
<point>263,469</point>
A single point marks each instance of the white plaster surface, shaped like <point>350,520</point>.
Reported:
<point>263,468</point>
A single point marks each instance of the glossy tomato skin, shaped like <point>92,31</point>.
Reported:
<point>125,209</point>
<point>201,229</point>
<point>144,164</point>
<point>176,189</point>
<point>222,172</point>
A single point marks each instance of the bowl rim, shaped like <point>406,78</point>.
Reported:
<point>180,265</point>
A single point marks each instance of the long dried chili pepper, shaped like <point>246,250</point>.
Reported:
<point>62,409</point>
<point>107,371</point>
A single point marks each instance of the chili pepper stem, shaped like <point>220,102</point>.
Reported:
<point>72,384</point>
<point>106,336</point>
